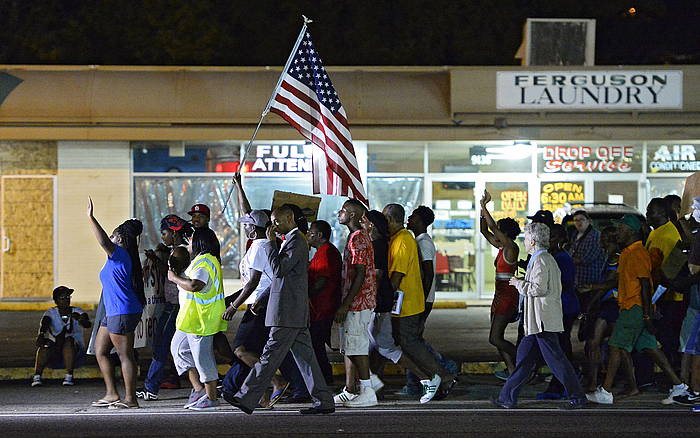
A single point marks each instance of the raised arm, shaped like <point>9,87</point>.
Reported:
<point>102,237</point>
<point>243,204</point>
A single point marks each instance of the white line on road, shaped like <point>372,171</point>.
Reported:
<point>133,413</point>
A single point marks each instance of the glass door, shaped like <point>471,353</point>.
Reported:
<point>454,232</point>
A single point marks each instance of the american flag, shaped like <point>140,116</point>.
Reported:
<point>307,100</point>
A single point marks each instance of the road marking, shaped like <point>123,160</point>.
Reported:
<point>132,413</point>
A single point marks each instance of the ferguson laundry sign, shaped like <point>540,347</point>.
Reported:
<point>575,90</point>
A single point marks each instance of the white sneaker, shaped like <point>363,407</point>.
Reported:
<point>430,388</point>
<point>600,396</point>
<point>377,383</point>
<point>676,390</point>
<point>36,380</point>
<point>343,397</point>
<point>68,380</point>
<point>366,398</point>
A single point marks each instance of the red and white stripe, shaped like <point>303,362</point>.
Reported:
<point>335,169</point>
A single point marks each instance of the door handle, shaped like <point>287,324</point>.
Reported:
<point>6,244</point>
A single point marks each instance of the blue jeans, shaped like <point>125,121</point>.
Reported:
<point>165,329</point>
<point>530,350</point>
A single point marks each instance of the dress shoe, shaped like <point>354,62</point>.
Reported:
<point>313,410</point>
<point>236,403</point>
<point>295,399</point>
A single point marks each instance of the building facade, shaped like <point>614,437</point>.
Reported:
<point>147,141</point>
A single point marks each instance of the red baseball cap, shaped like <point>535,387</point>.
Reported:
<point>199,208</point>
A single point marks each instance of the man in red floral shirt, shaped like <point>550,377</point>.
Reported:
<point>359,286</point>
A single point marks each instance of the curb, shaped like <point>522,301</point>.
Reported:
<point>32,306</point>
<point>93,372</point>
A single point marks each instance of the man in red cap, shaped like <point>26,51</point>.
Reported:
<point>200,219</point>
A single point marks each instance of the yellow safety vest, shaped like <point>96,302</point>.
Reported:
<point>200,313</point>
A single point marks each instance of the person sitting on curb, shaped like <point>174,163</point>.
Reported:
<point>60,336</point>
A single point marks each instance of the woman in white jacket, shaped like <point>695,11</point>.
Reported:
<point>540,306</point>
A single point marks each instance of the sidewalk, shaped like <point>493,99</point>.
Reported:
<point>459,334</point>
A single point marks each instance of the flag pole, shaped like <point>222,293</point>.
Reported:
<point>266,111</point>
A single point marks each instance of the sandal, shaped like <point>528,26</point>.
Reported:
<point>277,395</point>
<point>121,405</point>
<point>102,403</point>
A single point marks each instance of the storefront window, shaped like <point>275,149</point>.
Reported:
<point>260,191</point>
<point>395,157</point>
<point>405,191</point>
<point>616,192</point>
<point>559,196</point>
<point>472,158</point>
<point>157,197</point>
<point>673,157</point>
<point>660,187</point>
<point>454,233</point>
<point>589,158</point>
<point>181,157</point>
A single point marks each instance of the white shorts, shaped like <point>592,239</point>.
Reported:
<point>192,351</point>
<point>354,336</point>
<point>381,337</point>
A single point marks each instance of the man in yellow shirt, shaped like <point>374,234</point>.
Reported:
<point>661,241</point>
<point>405,277</point>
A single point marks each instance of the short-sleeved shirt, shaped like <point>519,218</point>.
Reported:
<point>634,264</point>
<point>200,274</point>
<point>403,258</point>
<point>117,287</point>
<point>660,243</point>
<point>385,293</point>
<point>359,251</point>
<point>569,301</point>
<point>426,251</point>
<point>72,328</point>
<point>326,263</point>
<point>257,258</point>
<point>587,249</point>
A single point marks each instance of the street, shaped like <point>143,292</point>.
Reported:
<point>60,411</point>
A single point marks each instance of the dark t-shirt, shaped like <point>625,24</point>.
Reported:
<point>385,293</point>
<point>694,256</point>
<point>326,263</point>
<point>569,300</point>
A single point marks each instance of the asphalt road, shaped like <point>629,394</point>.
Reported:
<point>54,411</point>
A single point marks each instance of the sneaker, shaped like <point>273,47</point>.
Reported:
<point>377,383</point>
<point>502,375</point>
<point>688,399</point>
<point>204,404</point>
<point>573,404</point>
<point>696,409</point>
<point>145,394</point>
<point>366,398</point>
<point>675,391</point>
<point>600,396</point>
<point>36,380</point>
<point>68,380</point>
<point>343,397</point>
<point>430,388</point>
<point>194,398</point>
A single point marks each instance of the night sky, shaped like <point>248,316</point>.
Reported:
<point>347,32</point>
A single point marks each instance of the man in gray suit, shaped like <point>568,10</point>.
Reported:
<point>288,316</point>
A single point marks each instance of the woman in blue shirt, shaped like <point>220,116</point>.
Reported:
<point>123,298</point>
